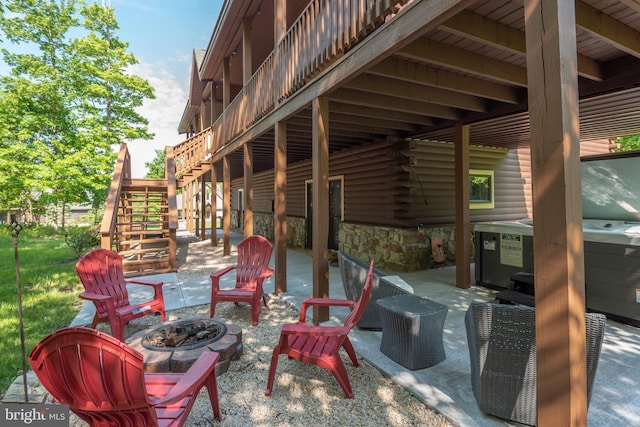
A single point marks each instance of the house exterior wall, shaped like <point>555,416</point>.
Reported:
<point>432,199</point>
<point>398,196</point>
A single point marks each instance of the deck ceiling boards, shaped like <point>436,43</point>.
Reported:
<point>472,69</point>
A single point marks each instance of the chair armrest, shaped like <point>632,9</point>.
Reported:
<point>94,297</point>
<point>145,282</point>
<point>157,286</point>
<point>216,275</point>
<point>196,374</point>
<point>324,302</point>
<point>394,286</point>
<point>266,273</point>
<point>310,330</point>
<point>99,298</point>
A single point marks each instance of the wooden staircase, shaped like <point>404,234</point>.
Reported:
<point>141,219</point>
<point>142,236</point>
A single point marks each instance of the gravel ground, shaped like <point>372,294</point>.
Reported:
<point>303,395</point>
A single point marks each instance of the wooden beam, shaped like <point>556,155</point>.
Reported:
<point>248,189</point>
<point>280,206</point>
<point>358,97</point>
<point>214,206</point>
<point>184,204</point>
<point>298,125</point>
<point>437,77</point>
<point>463,225</point>
<point>365,122</point>
<point>388,86</point>
<point>202,116</point>
<point>190,215</point>
<point>607,28</point>
<point>350,127</point>
<point>247,70</point>
<point>632,4</point>
<point>226,205</point>
<point>557,213</point>
<point>320,198</point>
<point>226,84</point>
<point>433,52</point>
<point>279,21</point>
<point>379,113</point>
<point>487,31</point>
<point>203,210</point>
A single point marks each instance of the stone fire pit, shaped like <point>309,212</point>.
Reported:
<point>173,346</point>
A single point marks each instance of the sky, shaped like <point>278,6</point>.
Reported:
<point>162,35</point>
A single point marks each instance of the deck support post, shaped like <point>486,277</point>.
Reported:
<point>248,189</point>
<point>280,206</point>
<point>203,208</point>
<point>214,206</point>
<point>463,226</point>
<point>552,74</point>
<point>320,200</point>
<point>226,206</point>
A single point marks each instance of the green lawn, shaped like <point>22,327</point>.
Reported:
<point>50,289</point>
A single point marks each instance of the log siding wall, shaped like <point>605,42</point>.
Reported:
<point>432,185</point>
<point>407,184</point>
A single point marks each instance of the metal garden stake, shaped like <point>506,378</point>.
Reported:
<point>14,229</point>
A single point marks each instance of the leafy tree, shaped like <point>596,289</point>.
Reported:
<point>155,168</point>
<point>111,94</point>
<point>15,165</point>
<point>65,103</point>
<point>628,143</point>
<point>39,93</point>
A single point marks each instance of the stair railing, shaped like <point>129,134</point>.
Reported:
<point>122,172</point>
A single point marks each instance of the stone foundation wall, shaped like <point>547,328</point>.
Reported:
<point>235,219</point>
<point>296,229</point>
<point>296,232</point>
<point>395,249</point>
<point>399,249</point>
<point>263,225</point>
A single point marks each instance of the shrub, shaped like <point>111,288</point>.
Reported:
<point>81,239</point>
<point>41,231</point>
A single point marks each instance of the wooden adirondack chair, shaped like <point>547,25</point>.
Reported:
<point>251,269</point>
<point>100,272</point>
<point>103,380</point>
<point>320,345</point>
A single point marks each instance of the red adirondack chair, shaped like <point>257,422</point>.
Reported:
<point>100,272</point>
<point>320,345</point>
<point>103,381</point>
<point>251,269</point>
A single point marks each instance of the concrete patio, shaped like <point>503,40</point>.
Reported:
<point>446,386</point>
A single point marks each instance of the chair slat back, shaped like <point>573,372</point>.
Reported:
<point>254,254</point>
<point>98,376</point>
<point>100,272</point>
<point>352,319</point>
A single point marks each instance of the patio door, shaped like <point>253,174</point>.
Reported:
<point>241,208</point>
<point>335,211</point>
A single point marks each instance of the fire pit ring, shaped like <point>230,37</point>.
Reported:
<point>173,346</point>
<point>184,334</point>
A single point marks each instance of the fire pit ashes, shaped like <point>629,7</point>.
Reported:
<point>186,334</point>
